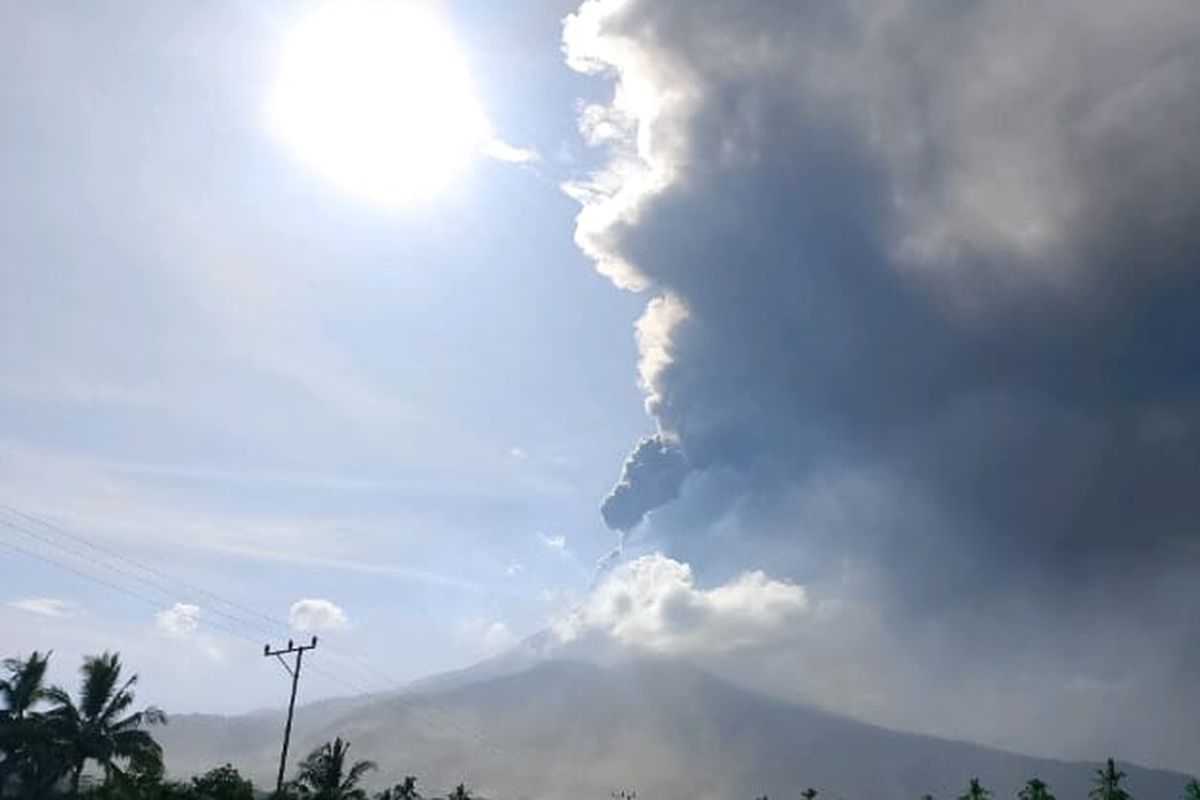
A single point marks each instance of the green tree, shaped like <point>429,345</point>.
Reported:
<point>1108,783</point>
<point>460,793</point>
<point>975,791</point>
<point>1035,789</point>
<point>99,726</point>
<point>30,758</point>
<point>405,790</point>
<point>222,783</point>
<point>324,774</point>
<point>1191,790</point>
<point>142,781</point>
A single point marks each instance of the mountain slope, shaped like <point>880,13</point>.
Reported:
<point>667,730</point>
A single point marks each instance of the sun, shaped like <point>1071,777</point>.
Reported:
<point>375,96</point>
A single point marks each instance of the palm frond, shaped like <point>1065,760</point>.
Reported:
<point>100,676</point>
<point>120,700</point>
<point>64,704</point>
<point>357,771</point>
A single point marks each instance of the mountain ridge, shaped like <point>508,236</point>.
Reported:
<point>664,728</point>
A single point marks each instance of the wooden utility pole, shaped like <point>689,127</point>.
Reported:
<point>295,673</point>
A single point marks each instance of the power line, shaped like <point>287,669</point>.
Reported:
<point>82,549</point>
<point>55,529</point>
<point>352,685</point>
<point>170,589</point>
<point>339,680</point>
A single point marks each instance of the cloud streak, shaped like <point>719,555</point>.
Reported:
<point>47,607</point>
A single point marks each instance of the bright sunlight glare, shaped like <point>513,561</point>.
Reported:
<point>375,96</point>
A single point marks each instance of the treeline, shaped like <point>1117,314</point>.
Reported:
<point>1108,784</point>
<point>95,744</point>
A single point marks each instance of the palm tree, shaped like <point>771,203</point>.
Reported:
<point>26,745</point>
<point>323,774</point>
<point>24,687</point>
<point>407,790</point>
<point>975,791</point>
<point>98,727</point>
<point>809,793</point>
<point>1191,790</point>
<point>1035,789</point>
<point>460,793</point>
<point>1108,784</point>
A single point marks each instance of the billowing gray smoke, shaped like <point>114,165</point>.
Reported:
<point>651,477</point>
<point>928,305</point>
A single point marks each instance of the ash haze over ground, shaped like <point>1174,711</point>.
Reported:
<point>666,728</point>
<point>922,338</point>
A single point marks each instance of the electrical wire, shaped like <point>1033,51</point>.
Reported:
<point>102,557</point>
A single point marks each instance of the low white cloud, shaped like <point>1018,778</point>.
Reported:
<point>316,615</point>
<point>514,569</point>
<point>653,604</point>
<point>517,453</point>
<point>498,636</point>
<point>182,622</point>
<point>493,635</point>
<point>553,597</point>
<point>501,150</point>
<point>558,542</point>
<point>47,607</point>
<point>771,635</point>
<point>181,619</point>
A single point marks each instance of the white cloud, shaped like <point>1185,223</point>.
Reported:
<point>551,596</point>
<point>772,635</point>
<point>181,619</point>
<point>503,151</point>
<point>47,607</point>
<point>498,636</point>
<point>653,604</point>
<point>493,635</point>
<point>514,569</point>
<point>517,453</point>
<point>316,615</point>
<point>558,542</point>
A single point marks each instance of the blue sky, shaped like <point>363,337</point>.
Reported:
<point>215,361</point>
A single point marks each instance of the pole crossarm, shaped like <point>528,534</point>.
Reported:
<point>291,648</point>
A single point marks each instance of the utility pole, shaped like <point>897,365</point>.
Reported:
<point>295,673</point>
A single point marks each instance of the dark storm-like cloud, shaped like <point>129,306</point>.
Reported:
<point>926,282</point>
<point>956,244</point>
